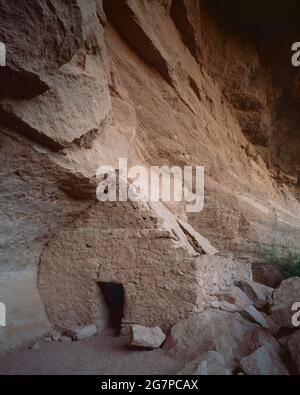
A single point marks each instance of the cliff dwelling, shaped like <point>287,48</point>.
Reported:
<point>162,274</point>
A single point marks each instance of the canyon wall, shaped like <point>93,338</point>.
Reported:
<point>159,82</point>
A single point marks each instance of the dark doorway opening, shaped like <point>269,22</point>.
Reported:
<point>113,294</point>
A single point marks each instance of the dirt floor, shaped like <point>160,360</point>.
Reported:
<point>99,355</point>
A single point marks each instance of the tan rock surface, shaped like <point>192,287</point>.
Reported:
<point>159,83</point>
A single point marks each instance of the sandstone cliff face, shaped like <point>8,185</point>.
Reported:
<point>159,82</point>
<point>208,97</point>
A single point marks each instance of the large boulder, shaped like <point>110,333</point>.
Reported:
<point>211,363</point>
<point>144,337</point>
<point>264,361</point>
<point>258,293</point>
<point>283,300</point>
<point>227,333</point>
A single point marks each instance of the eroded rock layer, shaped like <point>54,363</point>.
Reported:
<point>159,82</point>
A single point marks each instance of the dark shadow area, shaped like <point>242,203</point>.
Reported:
<point>113,294</point>
<point>260,19</point>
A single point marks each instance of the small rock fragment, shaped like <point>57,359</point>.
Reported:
<point>146,337</point>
